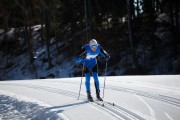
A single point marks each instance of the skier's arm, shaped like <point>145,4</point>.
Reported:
<point>104,53</point>
<point>81,55</point>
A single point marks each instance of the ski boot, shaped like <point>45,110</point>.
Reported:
<point>98,96</point>
<point>89,97</point>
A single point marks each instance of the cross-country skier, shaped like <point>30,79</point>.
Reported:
<point>87,57</point>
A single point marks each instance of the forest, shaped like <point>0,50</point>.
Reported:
<point>141,36</point>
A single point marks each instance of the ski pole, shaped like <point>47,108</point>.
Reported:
<point>105,77</point>
<point>81,82</point>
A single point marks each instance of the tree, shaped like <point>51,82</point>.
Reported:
<point>47,24</point>
<point>42,11</point>
<point>177,15</point>
<point>131,33</point>
<point>87,5</point>
<point>26,8</point>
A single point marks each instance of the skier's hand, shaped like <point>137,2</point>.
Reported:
<point>78,59</point>
<point>83,56</point>
<point>107,57</point>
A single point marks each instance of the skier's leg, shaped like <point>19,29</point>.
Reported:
<point>95,76</point>
<point>87,82</point>
<point>96,82</point>
<point>88,90</point>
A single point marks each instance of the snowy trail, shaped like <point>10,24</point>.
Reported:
<point>135,97</point>
<point>113,110</point>
<point>18,107</point>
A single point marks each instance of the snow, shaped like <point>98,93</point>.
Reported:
<point>10,34</point>
<point>135,97</point>
<point>37,27</point>
<point>16,107</point>
<point>1,31</point>
<point>163,18</point>
<point>39,52</point>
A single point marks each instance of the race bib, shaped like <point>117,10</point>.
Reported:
<point>89,56</point>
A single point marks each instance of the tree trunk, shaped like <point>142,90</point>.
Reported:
<point>55,25</point>
<point>132,12</point>
<point>5,37</point>
<point>172,18</point>
<point>177,16</point>
<point>131,35</point>
<point>129,24</point>
<point>27,18</point>
<point>47,23</point>
<point>42,22</point>
<point>90,19</point>
<point>86,19</point>
<point>148,7</point>
<point>30,17</point>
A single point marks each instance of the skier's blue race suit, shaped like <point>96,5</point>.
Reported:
<point>88,58</point>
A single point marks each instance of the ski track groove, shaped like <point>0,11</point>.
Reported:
<point>116,111</point>
<point>166,99</point>
<point>124,113</point>
<point>162,98</point>
<point>125,110</point>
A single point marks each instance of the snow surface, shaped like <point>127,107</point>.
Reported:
<point>135,98</point>
<point>18,107</point>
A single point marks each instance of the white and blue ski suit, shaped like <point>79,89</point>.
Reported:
<point>88,58</point>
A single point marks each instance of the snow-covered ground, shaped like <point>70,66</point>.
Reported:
<point>134,98</point>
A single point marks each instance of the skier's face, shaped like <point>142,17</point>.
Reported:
<point>93,48</point>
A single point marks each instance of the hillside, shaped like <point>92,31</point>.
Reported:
<point>156,54</point>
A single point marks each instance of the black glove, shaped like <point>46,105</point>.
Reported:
<point>107,57</point>
<point>83,56</point>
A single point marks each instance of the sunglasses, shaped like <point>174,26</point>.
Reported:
<point>94,46</point>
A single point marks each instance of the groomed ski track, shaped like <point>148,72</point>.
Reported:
<point>134,97</point>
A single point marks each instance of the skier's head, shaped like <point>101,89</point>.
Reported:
<point>93,44</point>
